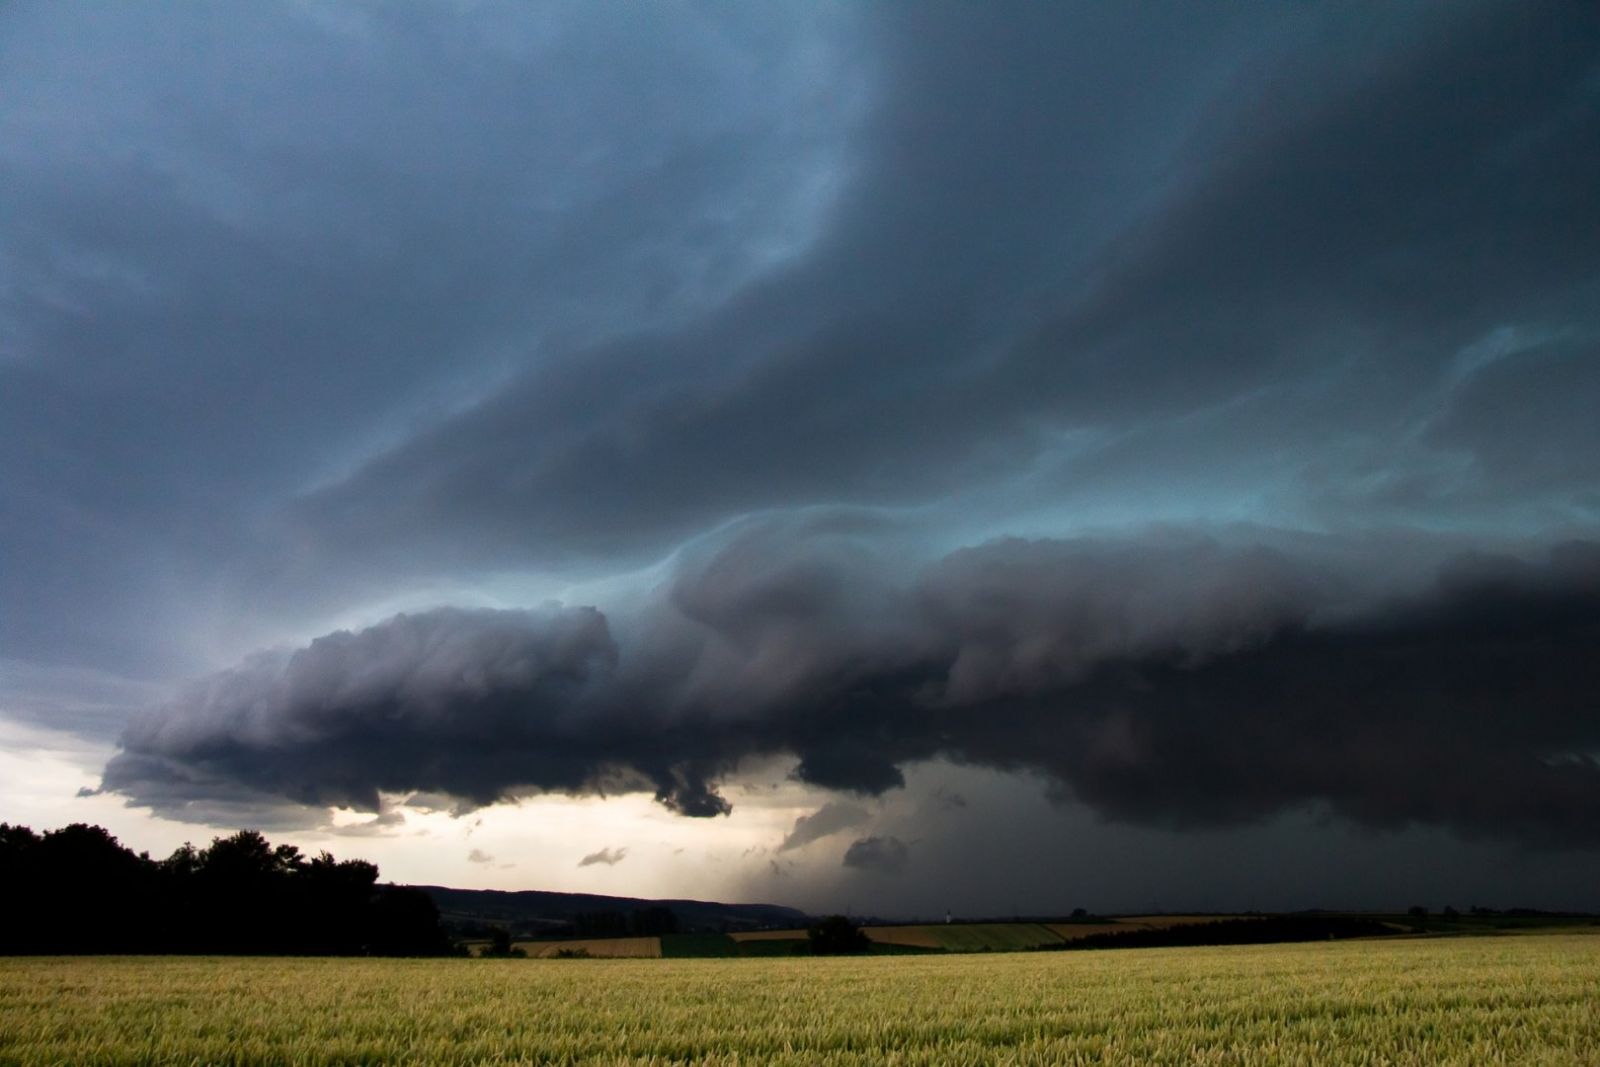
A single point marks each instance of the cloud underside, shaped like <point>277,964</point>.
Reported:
<point>1173,681</point>
<point>778,307</point>
<point>882,855</point>
<point>608,857</point>
<point>832,818</point>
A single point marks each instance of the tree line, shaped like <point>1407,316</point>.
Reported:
<point>79,890</point>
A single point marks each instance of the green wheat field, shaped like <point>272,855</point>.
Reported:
<point>1509,999</point>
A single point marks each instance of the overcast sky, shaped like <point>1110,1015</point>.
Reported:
<point>993,457</point>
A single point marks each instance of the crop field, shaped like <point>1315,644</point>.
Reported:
<point>989,937</point>
<point>613,947</point>
<point>992,937</point>
<point>1409,1001</point>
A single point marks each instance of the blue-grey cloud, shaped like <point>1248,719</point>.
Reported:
<point>226,282</point>
<point>842,361</point>
<point>1277,280</point>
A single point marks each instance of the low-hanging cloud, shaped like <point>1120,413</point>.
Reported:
<point>607,856</point>
<point>736,323</point>
<point>827,820</point>
<point>432,702</point>
<point>881,855</point>
<point>1172,680</point>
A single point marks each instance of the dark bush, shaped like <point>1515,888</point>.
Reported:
<point>837,936</point>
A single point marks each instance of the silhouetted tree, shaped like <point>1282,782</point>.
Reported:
<point>837,936</point>
<point>405,922</point>
<point>19,888</point>
<point>241,894</point>
<point>334,899</point>
<point>500,945</point>
<point>70,872</point>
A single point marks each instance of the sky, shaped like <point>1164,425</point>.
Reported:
<point>904,458</point>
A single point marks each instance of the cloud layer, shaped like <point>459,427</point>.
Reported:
<point>294,335</point>
<point>881,855</point>
<point>1188,410</point>
<point>832,818</point>
<point>1174,681</point>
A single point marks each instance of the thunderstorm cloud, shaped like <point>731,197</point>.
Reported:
<point>882,855</point>
<point>1172,681</point>
<point>1183,413</point>
<point>832,818</point>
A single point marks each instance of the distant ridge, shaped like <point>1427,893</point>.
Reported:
<point>530,910</point>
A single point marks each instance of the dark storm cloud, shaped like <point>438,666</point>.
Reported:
<point>1470,149</point>
<point>430,702</point>
<point>849,376</point>
<point>311,313</point>
<point>882,855</point>
<point>1525,419</point>
<point>827,820</point>
<point>1172,681</point>
<point>242,251</point>
<point>304,307</point>
<point>1348,215</point>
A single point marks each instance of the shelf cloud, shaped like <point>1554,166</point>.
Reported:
<point>1175,681</point>
<point>1186,413</point>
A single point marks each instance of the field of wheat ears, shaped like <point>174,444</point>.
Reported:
<point>1515,999</point>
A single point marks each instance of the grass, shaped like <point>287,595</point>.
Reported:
<point>1410,1001</point>
<point>617,947</point>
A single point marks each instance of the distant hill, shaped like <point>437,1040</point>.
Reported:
<point>533,911</point>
